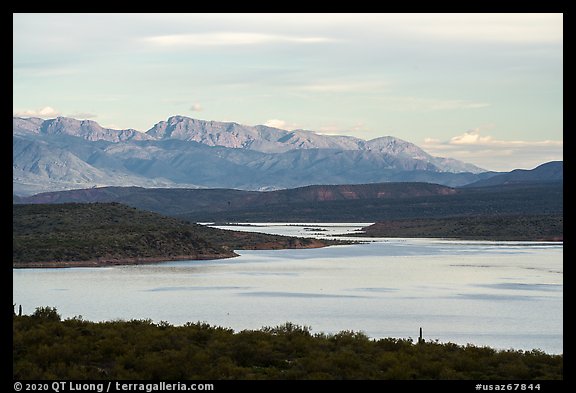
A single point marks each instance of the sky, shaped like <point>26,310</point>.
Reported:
<point>482,88</point>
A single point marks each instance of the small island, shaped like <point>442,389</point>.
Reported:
<point>107,234</point>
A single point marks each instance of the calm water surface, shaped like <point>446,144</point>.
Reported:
<point>501,294</point>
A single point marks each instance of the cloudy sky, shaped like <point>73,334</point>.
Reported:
<point>483,88</point>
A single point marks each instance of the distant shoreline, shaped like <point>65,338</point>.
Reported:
<point>559,239</point>
<point>538,228</point>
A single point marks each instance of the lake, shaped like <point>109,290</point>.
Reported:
<point>500,294</point>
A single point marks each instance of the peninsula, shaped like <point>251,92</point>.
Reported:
<point>105,234</point>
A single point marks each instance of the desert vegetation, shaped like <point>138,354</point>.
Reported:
<point>47,347</point>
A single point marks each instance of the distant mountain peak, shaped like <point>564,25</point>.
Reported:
<point>274,140</point>
<point>85,129</point>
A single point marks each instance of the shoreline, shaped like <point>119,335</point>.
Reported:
<point>552,239</point>
<point>106,262</point>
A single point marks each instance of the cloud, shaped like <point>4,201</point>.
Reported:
<point>418,104</point>
<point>341,87</point>
<point>514,28</point>
<point>490,153</point>
<point>282,124</point>
<point>229,39</point>
<point>470,137</point>
<point>329,130</point>
<point>45,112</point>
<point>338,130</point>
<point>48,112</point>
<point>196,108</point>
<point>82,115</point>
<point>276,123</point>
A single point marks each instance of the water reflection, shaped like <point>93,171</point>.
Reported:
<point>502,294</point>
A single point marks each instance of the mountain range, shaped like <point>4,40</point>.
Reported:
<point>538,191</point>
<point>181,152</point>
<point>552,171</point>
